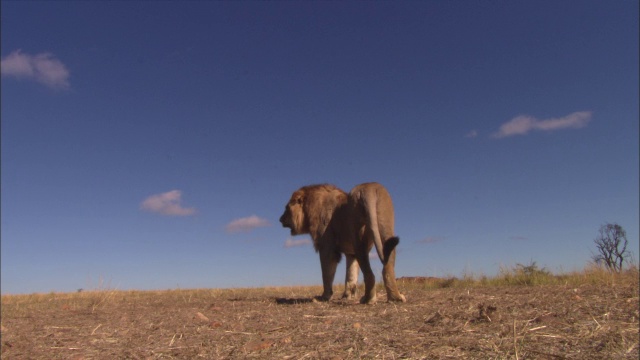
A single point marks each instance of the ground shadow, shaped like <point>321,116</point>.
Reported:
<point>294,301</point>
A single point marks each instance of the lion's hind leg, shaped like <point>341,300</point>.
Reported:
<point>351,280</point>
<point>389,274</point>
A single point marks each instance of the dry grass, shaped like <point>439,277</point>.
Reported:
<point>585,315</point>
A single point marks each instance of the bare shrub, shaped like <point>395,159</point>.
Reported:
<point>611,243</point>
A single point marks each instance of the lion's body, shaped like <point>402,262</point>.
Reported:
<point>350,224</point>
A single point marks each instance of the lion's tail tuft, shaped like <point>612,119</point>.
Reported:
<point>388,247</point>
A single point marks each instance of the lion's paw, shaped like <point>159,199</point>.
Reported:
<point>349,294</point>
<point>400,298</point>
<point>322,298</point>
<point>369,300</point>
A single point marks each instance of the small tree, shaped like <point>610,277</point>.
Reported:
<point>612,247</point>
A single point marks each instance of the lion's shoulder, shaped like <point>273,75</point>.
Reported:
<point>327,194</point>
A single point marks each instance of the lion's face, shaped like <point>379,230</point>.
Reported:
<point>293,216</point>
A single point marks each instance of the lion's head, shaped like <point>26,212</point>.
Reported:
<point>293,216</point>
<point>311,207</point>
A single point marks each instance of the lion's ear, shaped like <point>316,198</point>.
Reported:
<point>298,198</point>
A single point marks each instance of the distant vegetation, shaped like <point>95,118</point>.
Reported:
<point>611,243</point>
<point>531,275</point>
<point>518,275</point>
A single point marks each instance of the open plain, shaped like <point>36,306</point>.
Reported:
<point>577,317</point>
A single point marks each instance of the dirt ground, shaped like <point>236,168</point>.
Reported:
<point>514,322</point>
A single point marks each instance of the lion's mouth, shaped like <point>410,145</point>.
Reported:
<point>291,228</point>
<point>285,223</point>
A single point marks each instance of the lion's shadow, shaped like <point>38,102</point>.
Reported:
<point>315,300</point>
<point>294,301</point>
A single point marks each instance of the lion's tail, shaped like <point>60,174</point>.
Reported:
<point>383,250</point>
<point>370,204</point>
<point>388,247</point>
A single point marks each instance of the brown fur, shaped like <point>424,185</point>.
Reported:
<point>347,224</point>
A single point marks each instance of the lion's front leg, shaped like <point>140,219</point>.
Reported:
<point>351,279</point>
<point>329,264</point>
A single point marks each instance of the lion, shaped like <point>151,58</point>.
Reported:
<point>350,224</point>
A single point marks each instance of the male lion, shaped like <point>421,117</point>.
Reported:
<point>347,224</point>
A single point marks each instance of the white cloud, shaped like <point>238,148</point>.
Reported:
<point>43,68</point>
<point>521,125</point>
<point>471,134</point>
<point>246,224</point>
<point>431,240</point>
<point>294,243</point>
<point>167,204</point>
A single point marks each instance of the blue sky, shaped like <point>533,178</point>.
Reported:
<point>153,145</point>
